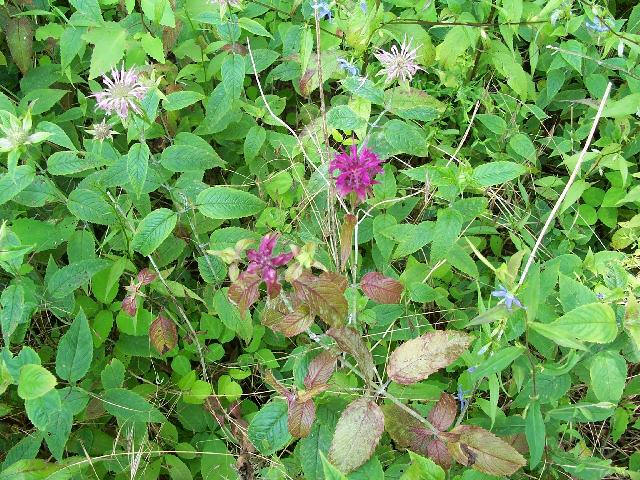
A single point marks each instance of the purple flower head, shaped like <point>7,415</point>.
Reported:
<point>122,92</point>
<point>357,171</point>
<point>263,262</point>
<point>399,63</point>
<point>509,298</point>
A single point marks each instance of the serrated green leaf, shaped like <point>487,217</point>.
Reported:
<point>153,230</point>
<point>75,350</point>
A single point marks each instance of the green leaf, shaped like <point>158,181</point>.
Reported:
<point>57,135</point>
<point>253,142</point>
<point>180,100</point>
<point>13,310</point>
<point>446,233</point>
<point>75,350</point>
<point>357,434</point>
<point>186,158</point>
<point>594,322</point>
<point>231,317</point>
<point>493,122</point>
<point>28,469</point>
<point>137,166</point>
<point>12,183</point>
<point>331,472</point>
<point>40,410</point>
<point>496,173</point>
<point>268,429</point>
<point>128,406</point>
<point>226,203</point>
<point>608,374</point>
<point>342,117</point>
<point>497,362</point>
<point>71,43</point>
<point>153,47</point>
<point>422,468</point>
<point>232,71</point>
<point>109,41</point>
<point>535,432</point>
<point>68,163</point>
<point>153,230</point>
<point>34,381</point>
<point>406,138</point>
<point>254,27</point>
<point>67,279</point>
<point>217,463</point>
<point>59,429</point>
<point>90,206</point>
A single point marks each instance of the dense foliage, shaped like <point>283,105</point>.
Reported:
<point>354,239</point>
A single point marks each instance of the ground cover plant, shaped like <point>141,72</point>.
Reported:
<point>303,239</point>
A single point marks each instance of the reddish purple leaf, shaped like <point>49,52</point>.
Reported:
<point>130,305</point>
<point>301,417</point>
<point>350,341</point>
<point>346,238</point>
<point>146,276</point>
<point>320,370</point>
<point>324,295</point>
<point>443,413</point>
<point>416,359</point>
<point>163,334</point>
<point>381,289</point>
<point>244,292</point>
<point>357,434</point>
<point>437,451</point>
<point>279,387</point>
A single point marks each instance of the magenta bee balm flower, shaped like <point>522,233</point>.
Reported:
<point>123,92</point>
<point>356,171</point>
<point>263,263</point>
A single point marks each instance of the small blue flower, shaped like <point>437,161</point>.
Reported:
<point>596,25</point>
<point>464,403</point>
<point>509,298</point>
<point>350,68</point>
<point>363,6</point>
<point>472,369</point>
<point>600,296</point>
<point>322,9</point>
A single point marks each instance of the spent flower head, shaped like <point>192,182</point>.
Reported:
<point>509,298</point>
<point>264,263</point>
<point>123,91</point>
<point>101,131</point>
<point>356,171</point>
<point>400,62</point>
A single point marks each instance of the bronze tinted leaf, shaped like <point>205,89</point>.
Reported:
<point>289,324</point>
<point>20,42</point>
<point>146,276</point>
<point>320,370</point>
<point>443,413</point>
<point>324,295</point>
<point>350,341</point>
<point>346,238</point>
<point>416,359</point>
<point>301,417</point>
<point>481,450</point>
<point>279,387</point>
<point>244,292</point>
<point>438,452</point>
<point>357,434</point>
<point>163,334</point>
<point>381,289</point>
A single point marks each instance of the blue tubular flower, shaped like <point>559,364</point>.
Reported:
<point>596,25</point>
<point>464,403</point>
<point>322,10</point>
<point>509,298</point>
<point>350,68</point>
